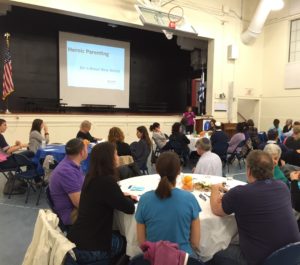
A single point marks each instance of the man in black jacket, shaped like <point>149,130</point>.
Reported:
<point>219,141</point>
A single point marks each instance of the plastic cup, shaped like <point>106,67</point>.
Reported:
<point>229,178</point>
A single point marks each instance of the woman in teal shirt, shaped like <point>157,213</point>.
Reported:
<point>169,213</point>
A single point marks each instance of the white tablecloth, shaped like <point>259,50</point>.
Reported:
<point>193,139</point>
<point>216,232</point>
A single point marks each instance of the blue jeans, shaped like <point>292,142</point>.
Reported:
<point>230,256</point>
<point>101,257</point>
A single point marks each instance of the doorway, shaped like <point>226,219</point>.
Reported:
<point>249,109</point>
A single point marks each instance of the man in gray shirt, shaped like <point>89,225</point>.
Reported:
<point>209,163</point>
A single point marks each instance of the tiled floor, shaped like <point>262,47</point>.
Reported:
<point>17,220</point>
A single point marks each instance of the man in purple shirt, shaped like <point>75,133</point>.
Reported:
<point>263,212</point>
<point>66,181</point>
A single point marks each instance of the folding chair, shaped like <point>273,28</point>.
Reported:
<point>289,254</point>
<point>144,169</point>
<point>176,147</point>
<point>155,154</point>
<point>7,171</point>
<point>120,261</point>
<point>64,228</point>
<point>139,260</point>
<point>144,164</point>
<point>262,137</point>
<point>236,155</point>
<point>129,171</point>
<point>28,176</point>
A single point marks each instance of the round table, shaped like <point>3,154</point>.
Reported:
<point>193,140</point>
<point>216,232</point>
<point>58,152</point>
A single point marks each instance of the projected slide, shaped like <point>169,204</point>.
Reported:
<point>93,70</point>
<point>95,66</point>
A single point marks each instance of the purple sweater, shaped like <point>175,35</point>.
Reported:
<point>189,117</point>
<point>234,141</point>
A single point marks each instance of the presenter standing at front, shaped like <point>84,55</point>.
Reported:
<point>189,117</point>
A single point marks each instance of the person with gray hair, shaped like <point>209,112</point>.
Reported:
<point>209,163</point>
<point>293,142</point>
<point>84,132</point>
<point>288,128</point>
<point>275,152</point>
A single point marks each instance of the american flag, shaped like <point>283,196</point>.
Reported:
<point>8,85</point>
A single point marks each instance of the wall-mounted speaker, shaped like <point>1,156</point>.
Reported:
<point>232,52</point>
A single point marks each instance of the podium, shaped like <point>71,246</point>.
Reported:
<point>202,123</point>
<point>229,128</point>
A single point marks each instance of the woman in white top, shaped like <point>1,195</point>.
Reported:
<point>36,138</point>
<point>159,138</point>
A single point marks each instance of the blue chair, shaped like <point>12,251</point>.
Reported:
<point>262,137</point>
<point>64,228</point>
<point>193,261</point>
<point>289,255</point>
<point>144,167</point>
<point>49,199</point>
<point>144,170</point>
<point>139,260</point>
<point>29,176</point>
<point>70,261</point>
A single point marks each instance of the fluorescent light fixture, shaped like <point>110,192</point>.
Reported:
<point>276,4</point>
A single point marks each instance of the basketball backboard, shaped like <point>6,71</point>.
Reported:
<point>159,19</point>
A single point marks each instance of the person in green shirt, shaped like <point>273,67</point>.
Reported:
<point>275,152</point>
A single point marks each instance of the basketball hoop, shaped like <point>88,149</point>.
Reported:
<point>174,19</point>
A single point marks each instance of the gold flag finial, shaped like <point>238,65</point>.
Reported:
<point>7,36</point>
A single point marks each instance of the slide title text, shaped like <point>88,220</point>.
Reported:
<point>87,51</point>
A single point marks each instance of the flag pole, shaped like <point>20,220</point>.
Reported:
<point>7,36</point>
<point>201,95</point>
<point>6,109</point>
